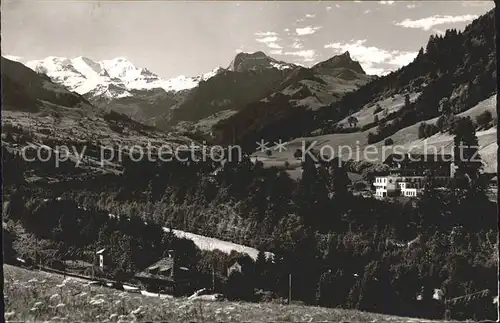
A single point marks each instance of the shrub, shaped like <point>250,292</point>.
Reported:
<point>359,186</point>
<point>426,130</point>
<point>238,287</point>
<point>484,118</point>
<point>353,121</point>
<point>421,130</point>
<point>368,126</point>
<point>446,122</point>
<point>371,138</point>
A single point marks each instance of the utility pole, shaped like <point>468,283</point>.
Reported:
<point>213,276</point>
<point>289,289</point>
<point>446,310</point>
<point>93,263</point>
<point>38,257</point>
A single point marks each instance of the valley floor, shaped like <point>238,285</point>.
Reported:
<point>37,296</point>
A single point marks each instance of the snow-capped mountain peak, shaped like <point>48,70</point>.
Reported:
<point>121,68</point>
<point>183,82</point>
<point>112,78</point>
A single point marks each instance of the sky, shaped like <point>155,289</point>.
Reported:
<point>174,38</point>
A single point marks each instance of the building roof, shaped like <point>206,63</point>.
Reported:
<point>159,267</point>
<point>242,260</point>
<point>411,157</point>
<point>161,270</point>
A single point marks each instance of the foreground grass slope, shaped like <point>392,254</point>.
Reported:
<point>40,296</point>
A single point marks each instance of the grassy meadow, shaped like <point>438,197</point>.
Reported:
<point>39,296</point>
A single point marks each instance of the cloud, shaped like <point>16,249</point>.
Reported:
<point>375,71</point>
<point>328,8</point>
<point>386,2</point>
<point>478,4</point>
<point>265,33</point>
<point>429,22</point>
<point>367,11</point>
<point>439,31</point>
<point>412,5</point>
<point>307,16</point>
<point>276,52</point>
<point>297,45</point>
<point>287,30</point>
<point>307,55</point>
<point>268,39</point>
<point>403,59</point>
<point>337,5</point>
<point>274,45</point>
<point>369,56</point>
<point>13,58</point>
<point>307,30</point>
<point>361,52</point>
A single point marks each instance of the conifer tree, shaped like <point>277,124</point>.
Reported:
<point>428,206</point>
<point>466,155</point>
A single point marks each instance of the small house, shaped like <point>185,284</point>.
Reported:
<point>243,265</point>
<point>166,276</point>
<point>102,256</point>
<point>235,267</point>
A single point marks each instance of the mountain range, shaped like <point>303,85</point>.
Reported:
<point>188,104</point>
<point>39,112</point>
<point>112,79</point>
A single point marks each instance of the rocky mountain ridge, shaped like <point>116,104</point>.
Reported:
<point>183,102</point>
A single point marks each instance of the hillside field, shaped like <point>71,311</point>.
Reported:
<point>40,296</point>
<point>407,138</point>
<point>208,243</point>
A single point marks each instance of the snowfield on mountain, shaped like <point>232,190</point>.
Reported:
<point>113,78</point>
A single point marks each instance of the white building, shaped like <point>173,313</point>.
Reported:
<point>406,176</point>
<point>394,186</point>
<point>380,186</point>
